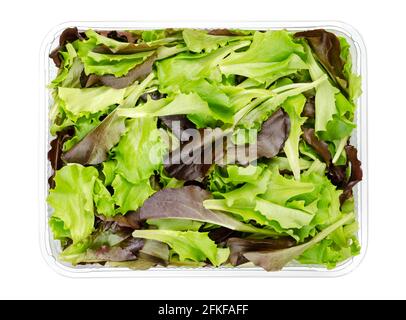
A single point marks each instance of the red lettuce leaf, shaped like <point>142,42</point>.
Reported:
<point>309,109</point>
<point>274,132</point>
<point>125,251</point>
<point>319,146</point>
<point>110,242</point>
<point>183,121</point>
<point>93,148</point>
<point>270,141</point>
<point>130,220</point>
<point>122,36</point>
<point>67,36</point>
<point>356,172</point>
<point>337,174</point>
<point>327,49</point>
<point>238,247</point>
<point>55,153</point>
<point>200,162</point>
<point>222,234</point>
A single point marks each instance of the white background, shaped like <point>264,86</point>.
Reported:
<point>24,273</point>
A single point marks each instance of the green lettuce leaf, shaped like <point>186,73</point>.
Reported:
<point>272,55</point>
<point>67,60</point>
<point>171,72</point>
<point>58,229</point>
<point>254,114</point>
<point>294,108</point>
<point>354,81</point>
<point>251,202</point>
<point>79,102</point>
<point>287,218</point>
<point>283,164</point>
<point>108,63</point>
<point>140,150</point>
<point>113,46</point>
<point>108,171</point>
<point>72,199</point>
<point>248,191</point>
<point>266,72</point>
<point>153,35</point>
<point>97,138</point>
<point>82,127</point>
<point>325,95</point>
<point>224,180</point>
<point>270,46</point>
<point>280,189</point>
<point>327,253</point>
<point>130,196</point>
<point>192,245</point>
<point>69,74</point>
<point>103,199</point>
<point>199,40</point>
<point>190,104</point>
<point>282,203</point>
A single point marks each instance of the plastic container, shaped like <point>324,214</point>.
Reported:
<point>50,248</point>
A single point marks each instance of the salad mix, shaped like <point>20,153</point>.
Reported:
<point>186,147</point>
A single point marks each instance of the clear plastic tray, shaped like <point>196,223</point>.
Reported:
<point>50,247</point>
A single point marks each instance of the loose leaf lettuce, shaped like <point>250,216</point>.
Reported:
<point>122,164</point>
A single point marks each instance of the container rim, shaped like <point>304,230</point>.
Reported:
<point>358,51</point>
